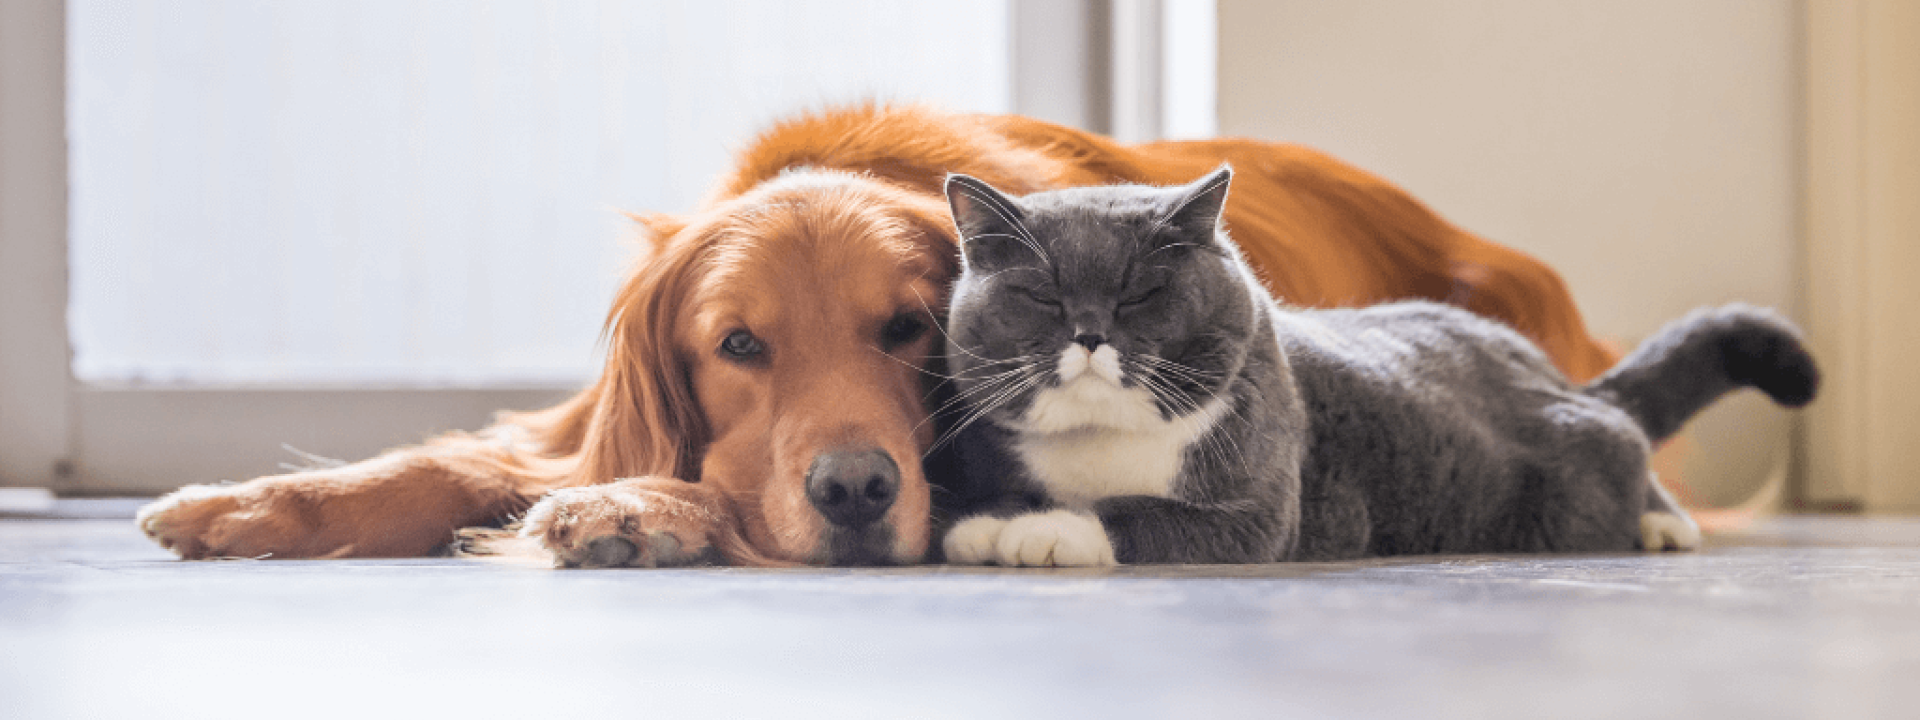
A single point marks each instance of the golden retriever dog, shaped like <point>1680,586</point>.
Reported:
<point>765,398</point>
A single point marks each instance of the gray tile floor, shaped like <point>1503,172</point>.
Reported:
<point>1799,618</point>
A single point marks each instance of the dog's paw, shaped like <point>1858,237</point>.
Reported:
<point>617,526</point>
<point>1661,531</point>
<point>972,541</point>
<point>1058,538</point>
<point>207,521</point>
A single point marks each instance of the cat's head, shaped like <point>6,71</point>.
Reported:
<point>1122,306</point>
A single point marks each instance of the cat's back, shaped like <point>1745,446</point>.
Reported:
<point>1427,424</point>
<point>1413,346</point>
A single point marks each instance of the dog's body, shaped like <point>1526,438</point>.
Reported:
<point>764,393</point>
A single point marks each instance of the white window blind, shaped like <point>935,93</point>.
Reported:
<point>406,192</point>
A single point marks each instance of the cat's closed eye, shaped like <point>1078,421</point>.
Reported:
<point>1036,296</point>
<point>1141,298</point>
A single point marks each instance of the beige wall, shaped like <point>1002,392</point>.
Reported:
<point>1648,149</point>
<point>1862,230</point>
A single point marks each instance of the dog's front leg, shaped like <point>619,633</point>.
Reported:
<point>406,503</point>
<point>637,522</point>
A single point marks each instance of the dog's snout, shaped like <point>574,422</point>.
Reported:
<point>853,488</point>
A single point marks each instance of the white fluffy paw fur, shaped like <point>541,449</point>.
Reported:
<point>1059,538</point>
<point>972,541</point>
<point>606,526</point>
<point>1661,531</point>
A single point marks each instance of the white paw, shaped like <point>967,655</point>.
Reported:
<point>1060,538</point>
<point>971,542</point>
<point>1666,531</point>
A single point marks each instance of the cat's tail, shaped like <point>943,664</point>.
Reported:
<point>1693,361</point>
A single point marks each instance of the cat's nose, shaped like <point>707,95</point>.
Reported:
<point>1090,341</point>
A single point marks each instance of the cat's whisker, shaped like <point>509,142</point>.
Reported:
<point>1170,246</point>
<point>1158,387</point>
<point>914,366</point>
<point>1012,390</point>
<point>1177,367</point>
<point>1232,411</point>
<point>988,385</point>
<point>1188,408</point>
<point>962,395</point>
<point>996,384</point>
<point>1182,377</point>
<point>962,375</point>
<point>1012,269</point>
<point>984,387</point>
<point>1216,443</point>
<point>1199,379</point>
<point>980,411</point>
<point>952,343</point>
<point>1015,360</point>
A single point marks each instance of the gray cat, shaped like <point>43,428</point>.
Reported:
<point>1132,394</point>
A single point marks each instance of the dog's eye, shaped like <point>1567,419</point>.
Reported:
<point>902,329</point>
<point>741,345</point>
<point>1140,299</point>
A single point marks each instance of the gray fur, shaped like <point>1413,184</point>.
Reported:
<point>1404,428</point>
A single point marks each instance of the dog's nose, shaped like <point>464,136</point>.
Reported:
<point>1090,341</point>
<point>853,488</point>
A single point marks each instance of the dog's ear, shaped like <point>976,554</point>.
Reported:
<point>645,420</point>
<point>656,230</point>
<point>928,218</point>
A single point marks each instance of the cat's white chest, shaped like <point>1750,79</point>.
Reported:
<point>1080,468</point>
<point>1090,439</point>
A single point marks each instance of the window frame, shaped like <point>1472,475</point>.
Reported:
<point>82,439</point>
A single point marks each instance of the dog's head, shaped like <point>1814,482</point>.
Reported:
<point>776,347</point>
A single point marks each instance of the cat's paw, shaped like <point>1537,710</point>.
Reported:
<point>617,526</point>
<point>972,541</point>
<point>1666,531</point>
<point>1058,538</point>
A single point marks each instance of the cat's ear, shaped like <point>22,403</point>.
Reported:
<point>988,221</point>
<point>1196,214</point>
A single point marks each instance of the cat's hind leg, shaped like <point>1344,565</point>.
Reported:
<point>1664,525</point>
<point>1582,485</point>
